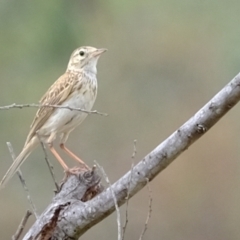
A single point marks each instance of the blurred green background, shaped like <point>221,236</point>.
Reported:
<point>166,59</point>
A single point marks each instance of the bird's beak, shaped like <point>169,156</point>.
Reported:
<point>99,52</point>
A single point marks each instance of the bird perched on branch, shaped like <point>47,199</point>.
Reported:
<point>76,88</point>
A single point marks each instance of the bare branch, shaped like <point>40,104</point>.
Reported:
<point>19,173</point>
<point>134,149</point>
<point>130,179</point>
<point>20,106</point>
<point>50,166</point>
<point>149,210</point>
<point>54,221</point>
<point>80,217</point>
<point>115,201</point>
<point>21,226</point>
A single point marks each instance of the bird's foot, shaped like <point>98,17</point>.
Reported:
<point>73,171</point>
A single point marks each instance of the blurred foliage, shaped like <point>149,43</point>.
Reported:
<point>166,59</point>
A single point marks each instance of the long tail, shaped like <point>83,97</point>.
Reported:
<point>28,148</point>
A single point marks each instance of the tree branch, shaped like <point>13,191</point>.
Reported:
<point>22,180</point>
<point>74,217</point>
<point>149,211</point>
<point>21,226</point>
<point>54,221</point>
<point>115,201</point>
<point>20,106</point>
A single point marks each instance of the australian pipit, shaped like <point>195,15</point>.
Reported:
<point>76,88</point>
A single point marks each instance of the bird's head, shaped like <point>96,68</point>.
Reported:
<point>85,58</point>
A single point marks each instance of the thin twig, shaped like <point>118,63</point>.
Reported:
<point>130,180</point>
<point>114,199</point>
<point>134,149</point>
<point>50,166</point>
<point>19,173</point>
<point>14,105</point>
<point>21,226</point>
<point>149,210</point>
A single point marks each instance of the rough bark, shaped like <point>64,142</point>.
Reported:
<point>67,217</point>
<point>56,222</point>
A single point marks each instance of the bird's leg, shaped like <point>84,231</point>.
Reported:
<point>57,156</point>
<point>72,155</point>
<point>54,152</point>
<point>63,140</point>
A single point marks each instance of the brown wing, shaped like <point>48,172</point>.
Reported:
<point>55,95</point>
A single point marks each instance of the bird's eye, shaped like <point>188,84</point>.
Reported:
<point>81,53</point>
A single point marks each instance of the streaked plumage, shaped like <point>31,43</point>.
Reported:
<point>76,88</point>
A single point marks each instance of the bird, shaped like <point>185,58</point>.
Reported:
<point>76,88</point>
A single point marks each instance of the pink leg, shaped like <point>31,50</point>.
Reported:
<point>72,155</point>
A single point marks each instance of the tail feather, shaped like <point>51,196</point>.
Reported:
<point>19,161</point>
